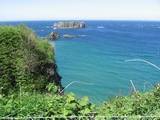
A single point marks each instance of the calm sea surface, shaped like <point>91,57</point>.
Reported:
<point>96,59</point>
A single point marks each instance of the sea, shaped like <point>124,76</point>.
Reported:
<point>107,59</point>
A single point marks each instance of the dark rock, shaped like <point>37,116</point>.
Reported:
<point>53,36</point>
<point>53,76</point>
<point>50,70</point>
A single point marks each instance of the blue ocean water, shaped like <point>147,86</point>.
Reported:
<point>96,60</point>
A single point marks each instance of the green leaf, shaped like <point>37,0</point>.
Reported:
<point>84,101</point>
<point>70,98</point>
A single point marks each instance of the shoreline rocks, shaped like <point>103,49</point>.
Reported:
<point>54,36</point>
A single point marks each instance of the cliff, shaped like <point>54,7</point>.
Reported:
<point>69,25</point>
<point>26,61</point>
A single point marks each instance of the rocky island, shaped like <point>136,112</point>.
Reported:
<point>69,25</point>
<point>54,36</point>
<point>65,25</point>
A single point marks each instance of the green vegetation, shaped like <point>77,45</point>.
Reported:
<point>23,58</point>
<point>137,104</point>
<point>43,105</point>
<point>27,74</point>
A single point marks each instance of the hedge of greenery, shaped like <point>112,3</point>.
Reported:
<point>44,105</point>
<point>136,105</point>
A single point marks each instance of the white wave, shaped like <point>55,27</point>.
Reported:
<point>100,27</point>
<point>47,26</point>
<point>54,28</point>
<point>145,61</point>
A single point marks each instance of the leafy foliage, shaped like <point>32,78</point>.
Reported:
<point>138,104</point>
<point>49,105</point>
<point>23,59</point>
<point>43,105</point>
<point>51,88</point>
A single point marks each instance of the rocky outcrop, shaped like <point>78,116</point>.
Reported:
<point>69,25</point>
<point>50,69</point>
<point>54,36</point>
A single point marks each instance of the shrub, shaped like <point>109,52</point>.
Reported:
<point>137,104</point>
<point>44,105</point>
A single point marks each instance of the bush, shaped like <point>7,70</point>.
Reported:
<point>43,105</point>
<point>137,104</point>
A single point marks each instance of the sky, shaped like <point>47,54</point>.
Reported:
<point>13,10</point>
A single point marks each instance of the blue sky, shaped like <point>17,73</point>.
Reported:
<point>79,9</point>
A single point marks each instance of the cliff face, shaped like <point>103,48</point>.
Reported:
<point>26,62</point>
<point>69,25</point>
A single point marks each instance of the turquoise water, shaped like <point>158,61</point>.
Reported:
<point>96,60</point>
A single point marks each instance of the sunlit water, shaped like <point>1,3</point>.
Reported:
<point>98,56</point>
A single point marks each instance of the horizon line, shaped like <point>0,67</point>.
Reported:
<point>80,20</point>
